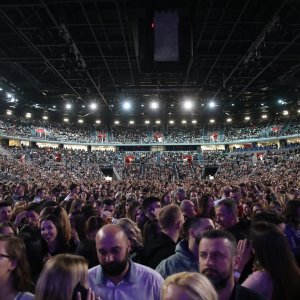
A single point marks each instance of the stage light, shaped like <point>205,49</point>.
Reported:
<point>154,105</point>
<point>127,105</point>
<point>98,122</point>
<point>212,121</point>
<point>147,122</point>
<point>28,115</point>
<point>66,120</point>
<point>228,120</point>
<point>45,117</point>
<point>80,121</point>
<point>194,121</point>
<point>68,106</point>
<point>93,106</point>
<point>171,122</point>
<point>188,104</point>
<point>157,122</point>
<point>212,104</point>
<point>131,122</point>
<point>247,118</point>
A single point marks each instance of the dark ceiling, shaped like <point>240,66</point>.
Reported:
<point>244,54</point>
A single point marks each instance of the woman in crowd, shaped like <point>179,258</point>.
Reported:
<point>292,226</point>
<point>87,246</point>
<point>14,269</point>
<point>135,237</point>
<point>188,286</point>
<point>64,277</point>
<point>8,228</point>
<point>206,207</point>
<point>277,275</point>
<point>55,237</point>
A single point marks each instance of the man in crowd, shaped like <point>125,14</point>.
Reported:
<point>5,211</point>
<point>170,219</point>
<point>187,208</point>
<point>108,210</point>
<point>227,219</point>
<point>73,194</point>
<point>186,254</point>
<point>217,258</point>
<point>118,278</point>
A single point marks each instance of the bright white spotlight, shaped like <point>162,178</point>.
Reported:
<point>298,111</point>
<point>228,120</point>
<point>183,121</point>
<point>264,117</point>
<point>247,118</point>
<point>171,122</point>
<point>131,122</point>
<point>154,105</point>
<point>147,122</point>
<point>80,121</point>
<point>188,104</point>
<point>66,120</point>
<point>285,112</point>
<point>45,117</point>
<point>8,95</point>
<point>127,105</point>
<point>98,122</point>
<point>117,122</point>
<point>28,115</point>
<point>194,121</point>
<point>212,104</point>
<point>157,122</point>
<point>68,106</point>
<point>93,106</point>
<point>9,112</point>
<point>212,121</point>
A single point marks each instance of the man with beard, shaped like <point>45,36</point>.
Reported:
<point>118,278</point>
<point>217,257</point>
<point>186,254</point>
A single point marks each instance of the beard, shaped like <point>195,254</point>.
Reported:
<point>115,268</point>
<point>218,280</point>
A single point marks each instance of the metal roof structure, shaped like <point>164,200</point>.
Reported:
<point>243,54</point>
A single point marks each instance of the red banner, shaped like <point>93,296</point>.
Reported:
<point>129,159</point>
<point>187,158</point>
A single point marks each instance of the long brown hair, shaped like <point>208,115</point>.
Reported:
<point>16,251</point>
<point>274,255</point>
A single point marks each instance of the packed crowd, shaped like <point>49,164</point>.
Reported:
<point>160,232</point>
<point>80,133</point>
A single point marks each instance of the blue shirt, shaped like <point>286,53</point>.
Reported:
<point>140,283</point>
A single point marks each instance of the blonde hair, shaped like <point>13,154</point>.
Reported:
<point>132,231</point>
<point>60,276</point>
<point>195,285</point>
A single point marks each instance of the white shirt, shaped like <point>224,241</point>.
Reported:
<point>140,283</point>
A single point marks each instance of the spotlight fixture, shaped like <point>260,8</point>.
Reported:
<point>93,106</point>
<point>212,104</point>
<point>154,105</point>
<point>188,104</point>
<point>127,105</point>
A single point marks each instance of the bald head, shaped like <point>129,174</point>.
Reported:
<point>110,233</point>
<point>112,249</point>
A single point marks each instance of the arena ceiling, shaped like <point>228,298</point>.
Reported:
<point>243,54</point>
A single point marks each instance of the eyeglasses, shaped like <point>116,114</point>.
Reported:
<point>4,255</point>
